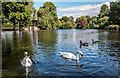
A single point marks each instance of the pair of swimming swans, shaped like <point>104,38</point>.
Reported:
<point>27,61</point>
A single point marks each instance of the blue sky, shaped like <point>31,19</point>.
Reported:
<point>73,0</point>
<point>75,8</point>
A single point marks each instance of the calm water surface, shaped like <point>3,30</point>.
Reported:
<point>44,46</point>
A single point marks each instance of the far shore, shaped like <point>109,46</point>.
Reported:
<point>17,28</point>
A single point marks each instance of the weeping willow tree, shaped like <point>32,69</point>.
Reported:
<point>48,17</point>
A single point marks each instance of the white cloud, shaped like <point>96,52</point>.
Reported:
<point>83,10</point>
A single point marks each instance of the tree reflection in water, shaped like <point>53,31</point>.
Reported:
<point>44,47</point>
<point>109,43</point>
<point>15,44</point>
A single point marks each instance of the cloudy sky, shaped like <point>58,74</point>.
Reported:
<point>76,9</point>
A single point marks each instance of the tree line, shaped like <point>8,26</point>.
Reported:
<point>16,14</point>
<point>19,14</point>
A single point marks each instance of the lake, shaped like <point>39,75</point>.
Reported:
<point>44,47</point>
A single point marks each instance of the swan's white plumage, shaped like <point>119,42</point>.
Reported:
<point>68,55</point>
<point>26,62</point>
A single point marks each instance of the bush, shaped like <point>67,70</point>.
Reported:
<point>114,27</point>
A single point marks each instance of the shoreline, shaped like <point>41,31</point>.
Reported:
<point>9,29</point>
<point>107,28</point>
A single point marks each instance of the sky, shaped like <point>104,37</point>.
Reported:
<point>75,8</point>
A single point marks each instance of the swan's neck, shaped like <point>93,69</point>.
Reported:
<point>77,56</point>
<point>26,61</point>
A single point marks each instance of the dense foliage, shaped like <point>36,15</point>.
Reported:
<point>104,20</point>
<point>114,13</point>
<point>67,22</point>
<point>19,14</point>
<point>109,16</point>
<point>81,22</point>
<point>47,16</point>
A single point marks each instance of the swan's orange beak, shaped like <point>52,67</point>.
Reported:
<point>82,56</point>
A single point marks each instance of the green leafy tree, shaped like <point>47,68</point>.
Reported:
<point>102,22</point>
<point>65,18</point>
<point>47,16</point>
<point>88,18</point>
<point>17,12</point>
<point>67,22</point>
<point>114,13</point>
<point>104,11</point>
<point>71,18</point>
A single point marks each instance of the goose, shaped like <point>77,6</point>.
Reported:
<point>71,56</point>
<point>94,41</point>
<point>84,44</point>
<point>26,60</point>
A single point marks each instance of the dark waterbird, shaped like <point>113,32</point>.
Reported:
<point>95,41</point>
<point>84,44</point>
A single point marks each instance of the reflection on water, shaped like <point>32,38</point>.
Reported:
<point>27,72</point>
<point>43,47</point>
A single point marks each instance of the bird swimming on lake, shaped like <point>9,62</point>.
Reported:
<point>95,41</point>
<point>71,56</point>
<point>26,60</point>
<point>84,44</point>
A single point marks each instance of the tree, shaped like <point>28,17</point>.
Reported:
<point>67,22</point>
<point>91,22</point>
<point>47,16</point>
<point>114,13</point>
<point>88,18</point>
<point>47,8</point>
<point>81,22</point>
<point>102,22</point>
<point>65,18</point>
<point>71,18</point>
<point>104,11</point>
<point>17,12</point>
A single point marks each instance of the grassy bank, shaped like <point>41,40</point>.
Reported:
<point>9,27</point>
<point>113,27</point>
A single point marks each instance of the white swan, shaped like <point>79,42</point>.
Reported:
<point>26,60</point>
<point>69,55</point>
